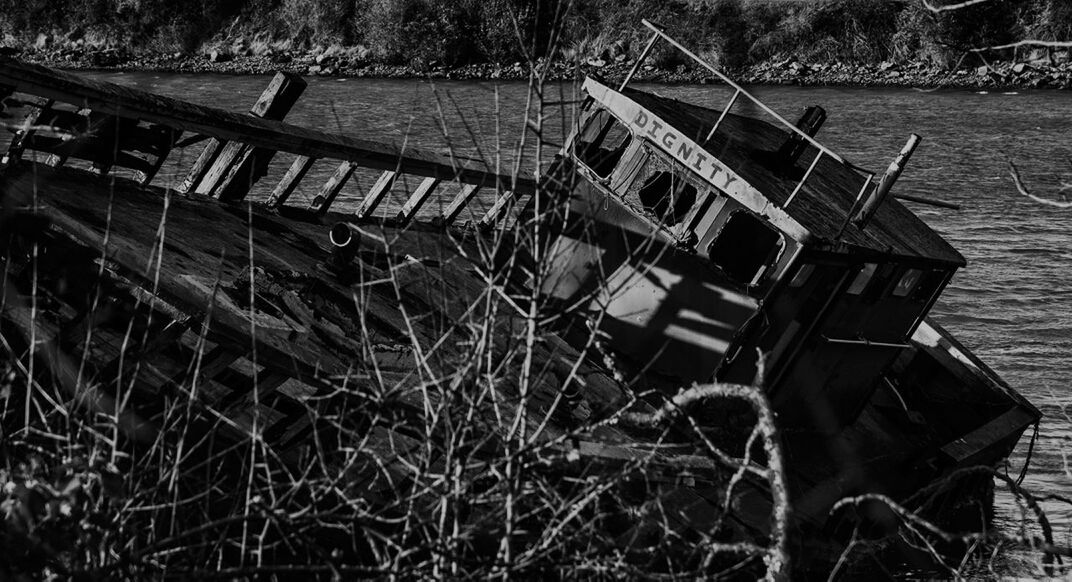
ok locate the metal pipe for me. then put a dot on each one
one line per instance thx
(888, 179)
(800, 185)
(751, 97)
(928, 201)
(636, 66)
(865, 342)
(729, 105)
(346, 240)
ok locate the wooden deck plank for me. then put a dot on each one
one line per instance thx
(417, 200)
(330, 190)
(376, 194)
(464, 197)
(286, 186)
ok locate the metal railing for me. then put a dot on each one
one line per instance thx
(738, 92)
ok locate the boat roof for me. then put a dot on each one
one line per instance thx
(740, 160)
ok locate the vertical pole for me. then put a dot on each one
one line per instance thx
(886, 183)
(636, 66)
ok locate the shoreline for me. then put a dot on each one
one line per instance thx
(995, 76)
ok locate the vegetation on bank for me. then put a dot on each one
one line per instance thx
(429, 33)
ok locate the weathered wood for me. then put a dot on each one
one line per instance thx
(464, 197)
(23, 136)
(229, 154)
(276, 101)
(1012, 422)
(497, 209)
(376, 194)
(238, 166)
(298, 168)
(420, 195)
(330, 190)
(162, 147)
(201, 166)
(254, 131)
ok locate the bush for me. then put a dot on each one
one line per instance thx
(419, 32)
(842, 30)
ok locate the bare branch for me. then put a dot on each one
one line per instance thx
(1020, 187)
(950, 7)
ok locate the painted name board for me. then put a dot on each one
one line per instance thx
(683, 149)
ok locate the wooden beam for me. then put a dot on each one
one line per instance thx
(298, 168)
(465, 195)
(23, 136)
(201, 166)
(420, 195)
(229, 153)
(376, 194)
(228, 126)
(330, 190)
(496, 211)
(238, 166)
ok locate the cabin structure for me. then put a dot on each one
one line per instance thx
(734, 236)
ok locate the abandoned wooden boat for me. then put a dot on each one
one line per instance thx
(670, 244)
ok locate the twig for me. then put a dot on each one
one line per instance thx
(1022, 189)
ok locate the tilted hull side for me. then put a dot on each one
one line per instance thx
(936, 413)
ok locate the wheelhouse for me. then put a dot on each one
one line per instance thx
(698, 239)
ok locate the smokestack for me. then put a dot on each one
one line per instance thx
(892, 173)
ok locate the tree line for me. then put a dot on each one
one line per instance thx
(457, 32)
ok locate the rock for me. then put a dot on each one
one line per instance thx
(1019, 68)
(597, 62)
(42, 41)
(314, 70)
(218, 56)
(982, 71)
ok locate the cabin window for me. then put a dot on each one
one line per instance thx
(667, 196)
(803, 273)
(907, 282)
(928, 285)
(880, 283)
(862, 279)
(745, 248)
(602, 144)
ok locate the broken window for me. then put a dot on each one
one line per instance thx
(667, 196)
(907, 283)
(862, 279)
(745, 248)
(602, 143)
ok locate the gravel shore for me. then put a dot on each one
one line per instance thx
(992, 76)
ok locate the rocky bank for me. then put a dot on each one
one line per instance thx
(1041, 73)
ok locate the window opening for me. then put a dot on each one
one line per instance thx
(745, 248)
(907, 283)
(667, 196)
(803, 273)
(862, 278)
(928, 285)
(603, 143)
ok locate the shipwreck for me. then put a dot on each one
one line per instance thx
(669, 246)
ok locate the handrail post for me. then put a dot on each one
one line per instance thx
(636, 66)
(800, 184)
(729, 106)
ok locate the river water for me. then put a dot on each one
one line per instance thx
(1012, 305)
